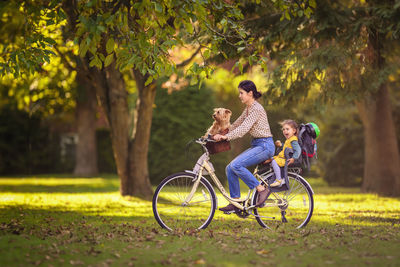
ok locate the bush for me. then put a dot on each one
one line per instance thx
(341, 148)
(26, 145)
(105, 156)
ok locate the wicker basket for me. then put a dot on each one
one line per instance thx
(217, 147)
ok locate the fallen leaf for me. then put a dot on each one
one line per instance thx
(200, 262)
(262, 252)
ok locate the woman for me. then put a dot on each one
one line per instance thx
(255, 121)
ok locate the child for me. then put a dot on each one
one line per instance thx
(290, 131)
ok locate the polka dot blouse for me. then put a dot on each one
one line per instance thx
(253, 120)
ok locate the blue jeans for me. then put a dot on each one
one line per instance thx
(261, 149)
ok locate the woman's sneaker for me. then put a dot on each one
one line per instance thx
(228, 209)
(277, 183)
(262, 197)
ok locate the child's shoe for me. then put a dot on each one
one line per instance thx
(277, 183)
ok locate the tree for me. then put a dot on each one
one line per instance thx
(36, 39)
(138, 37)
(344, 50)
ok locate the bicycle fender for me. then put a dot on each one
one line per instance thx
(194, 174)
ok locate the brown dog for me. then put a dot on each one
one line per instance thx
(222, 117)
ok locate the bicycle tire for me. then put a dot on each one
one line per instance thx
(298, 211)
(168, 199)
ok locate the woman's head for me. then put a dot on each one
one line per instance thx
(249, 86)
(289, 128)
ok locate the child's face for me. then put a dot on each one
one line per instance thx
(288, 131)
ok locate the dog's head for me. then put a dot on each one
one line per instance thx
(222, 115)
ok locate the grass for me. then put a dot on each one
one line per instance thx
(61, 221)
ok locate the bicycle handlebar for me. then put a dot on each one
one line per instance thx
(203, 141)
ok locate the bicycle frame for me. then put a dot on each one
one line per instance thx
(205, 165)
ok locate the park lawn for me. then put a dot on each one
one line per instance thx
(62, 221)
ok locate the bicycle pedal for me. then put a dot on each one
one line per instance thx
(229, 212)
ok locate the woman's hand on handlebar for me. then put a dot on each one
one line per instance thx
(219, 137)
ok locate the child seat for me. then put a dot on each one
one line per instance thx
(284, 173)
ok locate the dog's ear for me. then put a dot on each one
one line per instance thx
(227, 112)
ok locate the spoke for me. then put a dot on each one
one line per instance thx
(297, 202)
(192, 215)
(197, 202)
(295, 192)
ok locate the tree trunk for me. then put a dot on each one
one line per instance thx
(112, 95)
(86, 149)
(130, 156)
(118, 117)
(86, 103)
(382, 160)
(138, 163)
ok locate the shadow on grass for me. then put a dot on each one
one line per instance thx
(375, 219)
(106, 187)
(32, 215)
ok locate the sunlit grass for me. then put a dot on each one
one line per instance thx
(100, 196)
(85, 221)
(95, 196)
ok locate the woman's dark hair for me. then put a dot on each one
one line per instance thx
(248, 86)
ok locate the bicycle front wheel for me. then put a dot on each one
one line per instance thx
(171, 210)
(293, 207)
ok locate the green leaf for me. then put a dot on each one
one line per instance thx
(98, 63)
(206, 54)
(109, 60)
(149, 80)
(224, 54)
(92, 62)
(240, 49)
(110, 46)
(308, 12)
(264, 66)
(235, 66)
(189, 27)
(83, 48)
(287, 15)
(224, 22)
(158, 7)
(49, 40)
(240, 67)
(242, 34)
(95, 62)
(93, 49)
(194, 80)
(102, 57)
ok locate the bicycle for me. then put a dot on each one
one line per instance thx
(187, 200)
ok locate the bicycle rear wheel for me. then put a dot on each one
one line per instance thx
(294, 210)
(173, 214)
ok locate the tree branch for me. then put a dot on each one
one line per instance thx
(64, 59)
(187, 61)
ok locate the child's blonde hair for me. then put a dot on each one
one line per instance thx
(292, 124)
